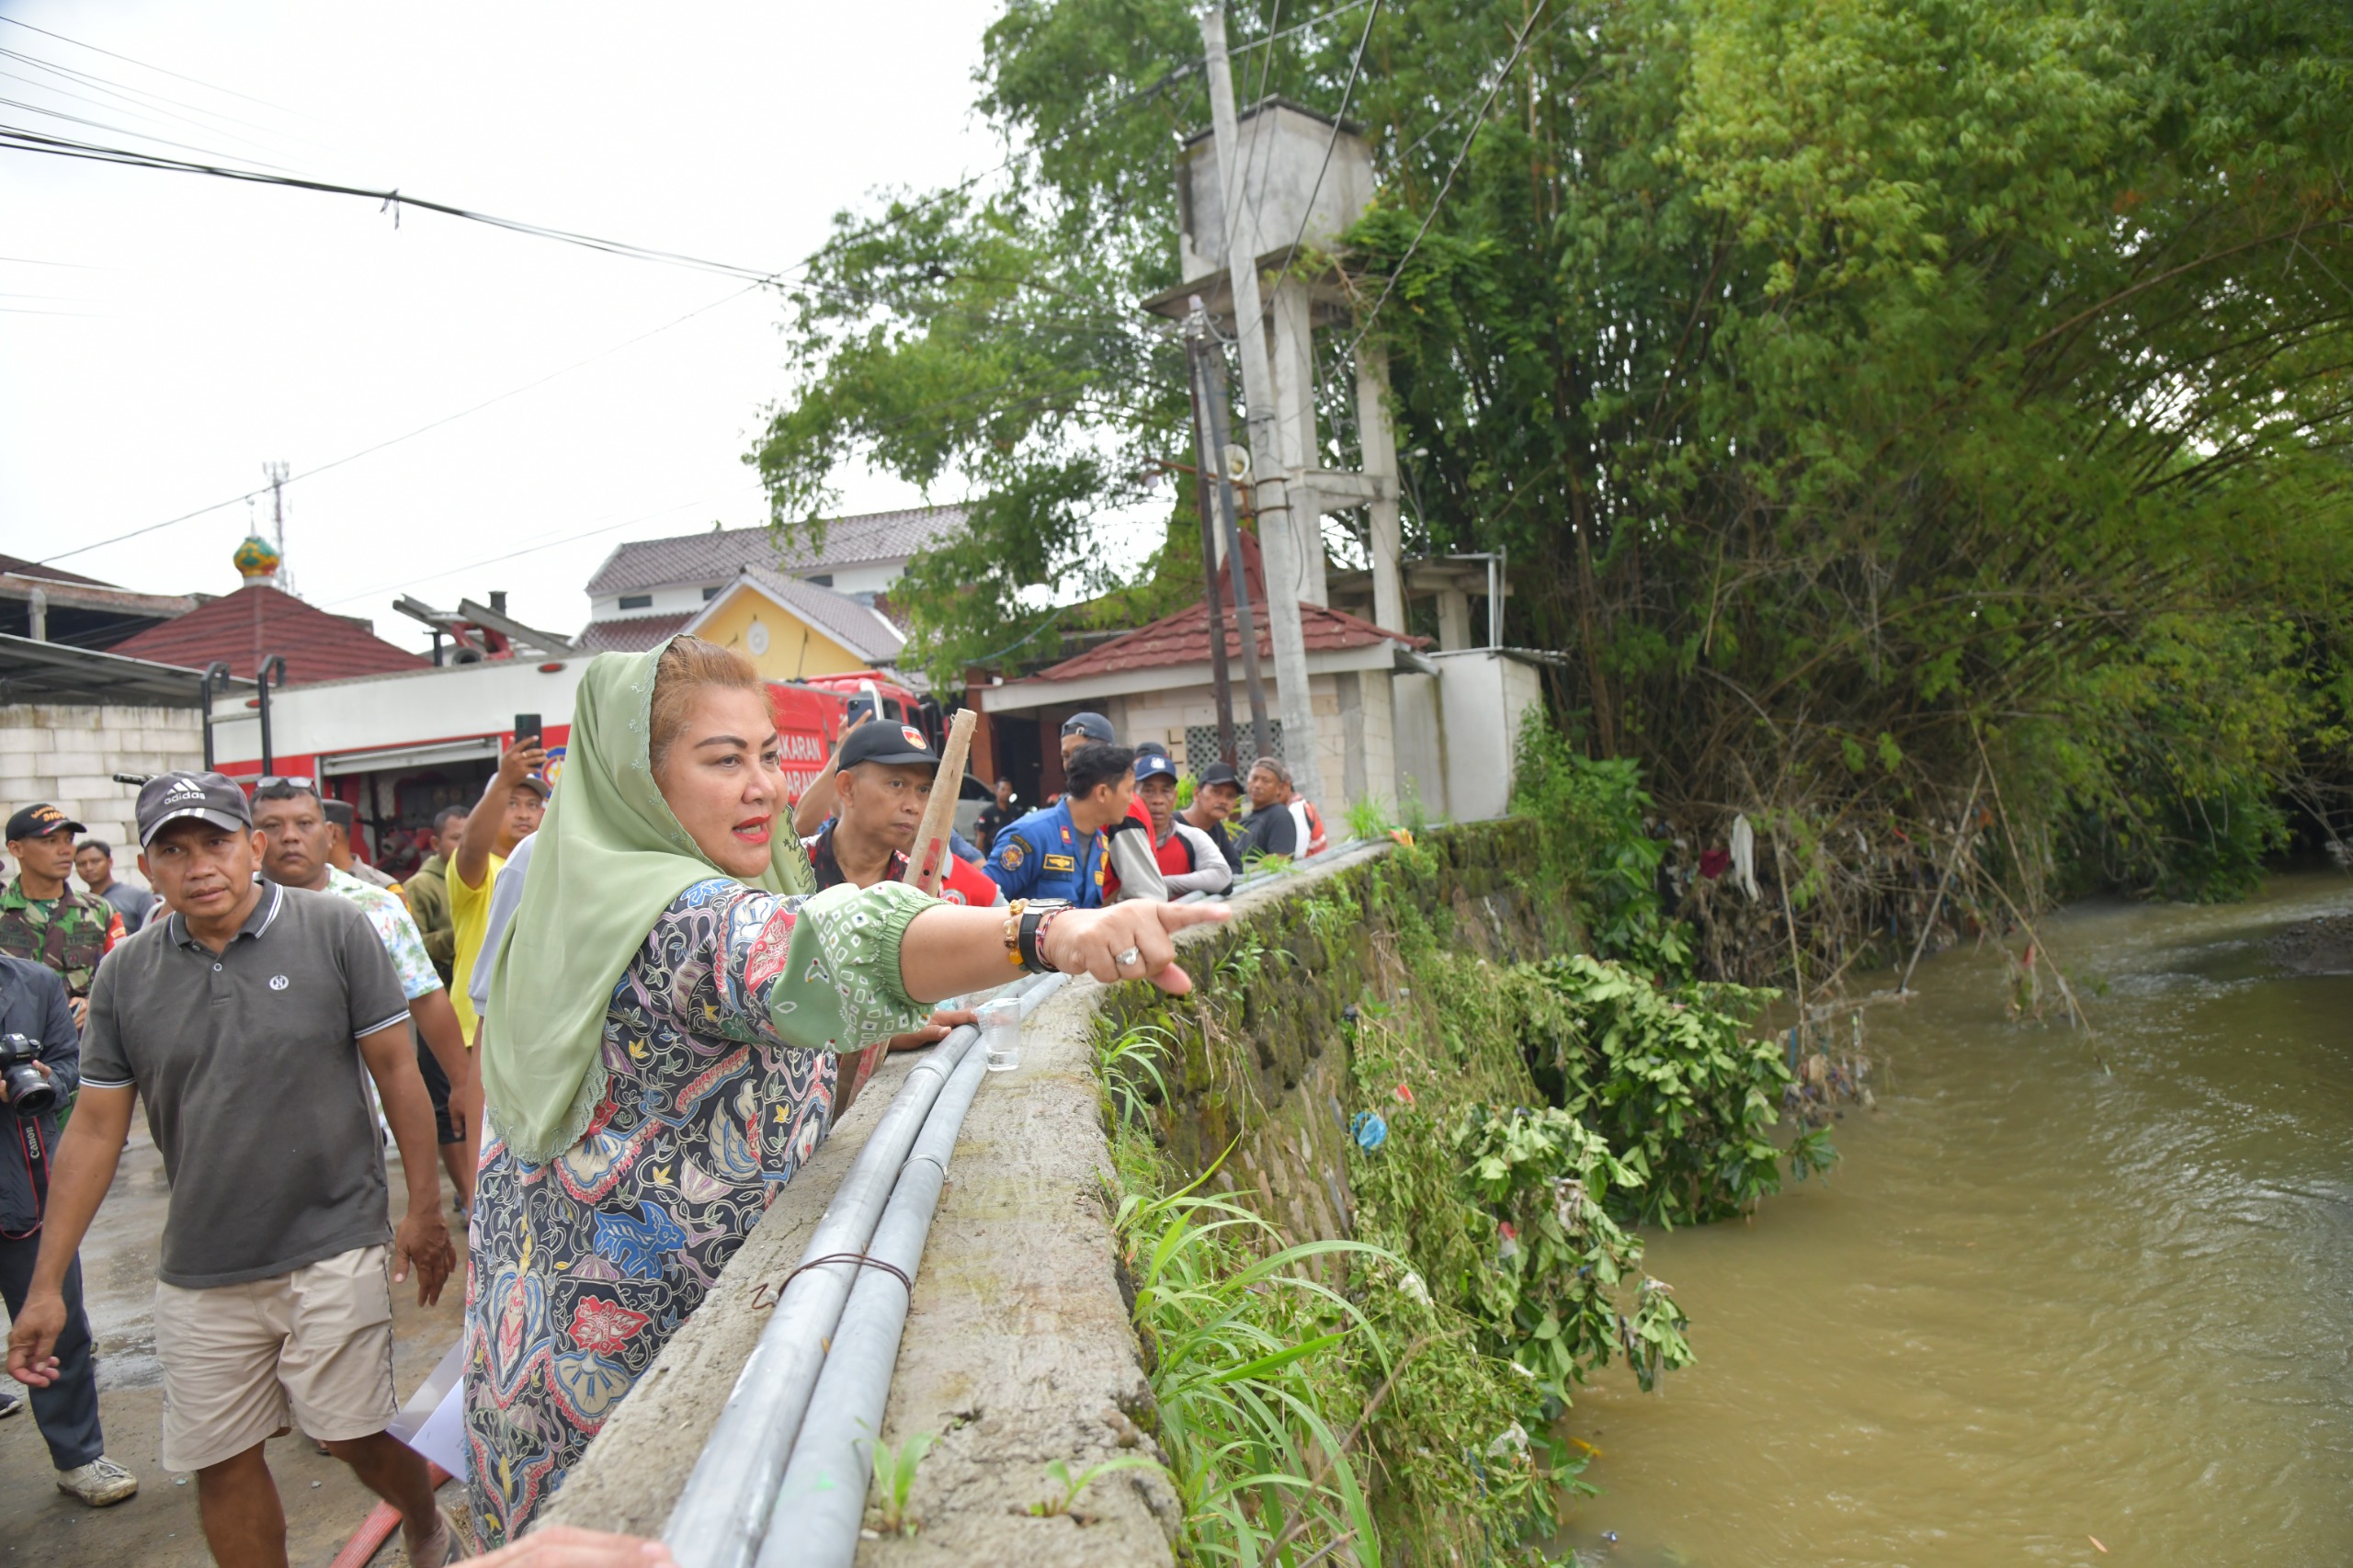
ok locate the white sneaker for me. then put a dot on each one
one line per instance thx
(101, 1482)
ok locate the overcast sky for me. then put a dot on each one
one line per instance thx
(163, 336)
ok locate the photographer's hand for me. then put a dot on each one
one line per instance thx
(39, 1067)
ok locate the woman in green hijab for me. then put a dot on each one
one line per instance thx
(661, 1051)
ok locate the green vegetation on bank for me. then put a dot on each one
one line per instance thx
(1865, 392)
(1509, 1124)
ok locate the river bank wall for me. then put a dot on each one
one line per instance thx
(1020, 1349)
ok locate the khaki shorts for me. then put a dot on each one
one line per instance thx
(315, 1345)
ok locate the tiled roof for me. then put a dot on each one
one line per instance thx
(630, 634)
(1184, 638)
(258, 619)
(716, 556)
(865, 631)
(20, 567)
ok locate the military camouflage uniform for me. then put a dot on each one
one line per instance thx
(69, 935)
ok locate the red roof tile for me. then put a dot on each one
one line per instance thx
(630, 634)
(258, 619)
(1184, 638)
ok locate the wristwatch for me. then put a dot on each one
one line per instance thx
(1029, 933)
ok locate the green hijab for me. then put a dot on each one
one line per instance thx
(609, 858)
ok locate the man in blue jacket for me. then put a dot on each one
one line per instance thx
(1061, 852)
(33, 1004)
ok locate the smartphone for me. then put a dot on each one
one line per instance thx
(868, 701)
(527, 729)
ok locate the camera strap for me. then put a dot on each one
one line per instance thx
(34, 1152)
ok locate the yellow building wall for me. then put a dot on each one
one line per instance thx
(795, 650)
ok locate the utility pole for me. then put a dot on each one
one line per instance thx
(1208, 377)
(1280, 540)
(276, 473)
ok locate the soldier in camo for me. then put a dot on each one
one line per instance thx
(42, 917)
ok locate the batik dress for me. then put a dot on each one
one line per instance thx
(719, 1084)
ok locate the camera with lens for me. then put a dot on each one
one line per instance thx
(30, 1094)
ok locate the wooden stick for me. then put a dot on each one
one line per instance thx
(1961, 841)
(940, 813)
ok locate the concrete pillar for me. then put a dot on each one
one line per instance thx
(1294, 367)
(1379, 439)
(1454, 620)
(1353, 780)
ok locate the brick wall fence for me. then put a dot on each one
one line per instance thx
(66, 754)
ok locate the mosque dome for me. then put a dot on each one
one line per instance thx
(256, 560)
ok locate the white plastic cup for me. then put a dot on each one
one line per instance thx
(1000, 1026)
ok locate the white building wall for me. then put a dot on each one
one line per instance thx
(858, 577)
(1484, 694)
(1420, 744)
(666, 601)
(407, 709)
(66, 755)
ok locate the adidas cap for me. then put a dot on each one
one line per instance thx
(168, 797)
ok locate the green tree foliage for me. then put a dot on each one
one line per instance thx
(1854, 384)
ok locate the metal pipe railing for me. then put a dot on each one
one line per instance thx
(752, 1473)
(822, 1502)
(725, 1507)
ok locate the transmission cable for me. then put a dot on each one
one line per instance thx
(159, 70)
(1478, 124)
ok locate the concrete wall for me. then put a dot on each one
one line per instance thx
(65, 754)
(1483, 693)
(1019, 1350)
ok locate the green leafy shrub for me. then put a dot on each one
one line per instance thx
(1545, 1180)
(1685, 1103)
(1597, 844)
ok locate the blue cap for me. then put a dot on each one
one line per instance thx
(1151, 765)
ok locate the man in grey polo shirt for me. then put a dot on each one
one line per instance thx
(244, 1020)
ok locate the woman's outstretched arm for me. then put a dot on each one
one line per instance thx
(950, 949)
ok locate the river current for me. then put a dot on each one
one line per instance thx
(2040, 1310)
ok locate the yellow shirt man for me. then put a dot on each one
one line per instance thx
(470, 919)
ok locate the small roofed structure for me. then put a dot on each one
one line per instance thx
(51, 605)
(1155, 684)
(649, 588)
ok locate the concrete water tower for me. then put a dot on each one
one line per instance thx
(1302, 179)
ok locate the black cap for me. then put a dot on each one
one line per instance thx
(894, 745)
(208, 797)
(1094, 726)
(538, 781)
(1217, 773)
(39, 821)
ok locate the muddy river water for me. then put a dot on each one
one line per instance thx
(2038, 1306)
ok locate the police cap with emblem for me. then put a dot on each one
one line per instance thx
(893, 745)
(208, 797)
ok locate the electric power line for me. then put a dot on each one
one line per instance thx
(142, 64)
(25, 139)
(1478, 123)
(422, 429)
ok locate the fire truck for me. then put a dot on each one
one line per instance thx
(401, 747)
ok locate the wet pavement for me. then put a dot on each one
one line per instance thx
(158, 1528)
